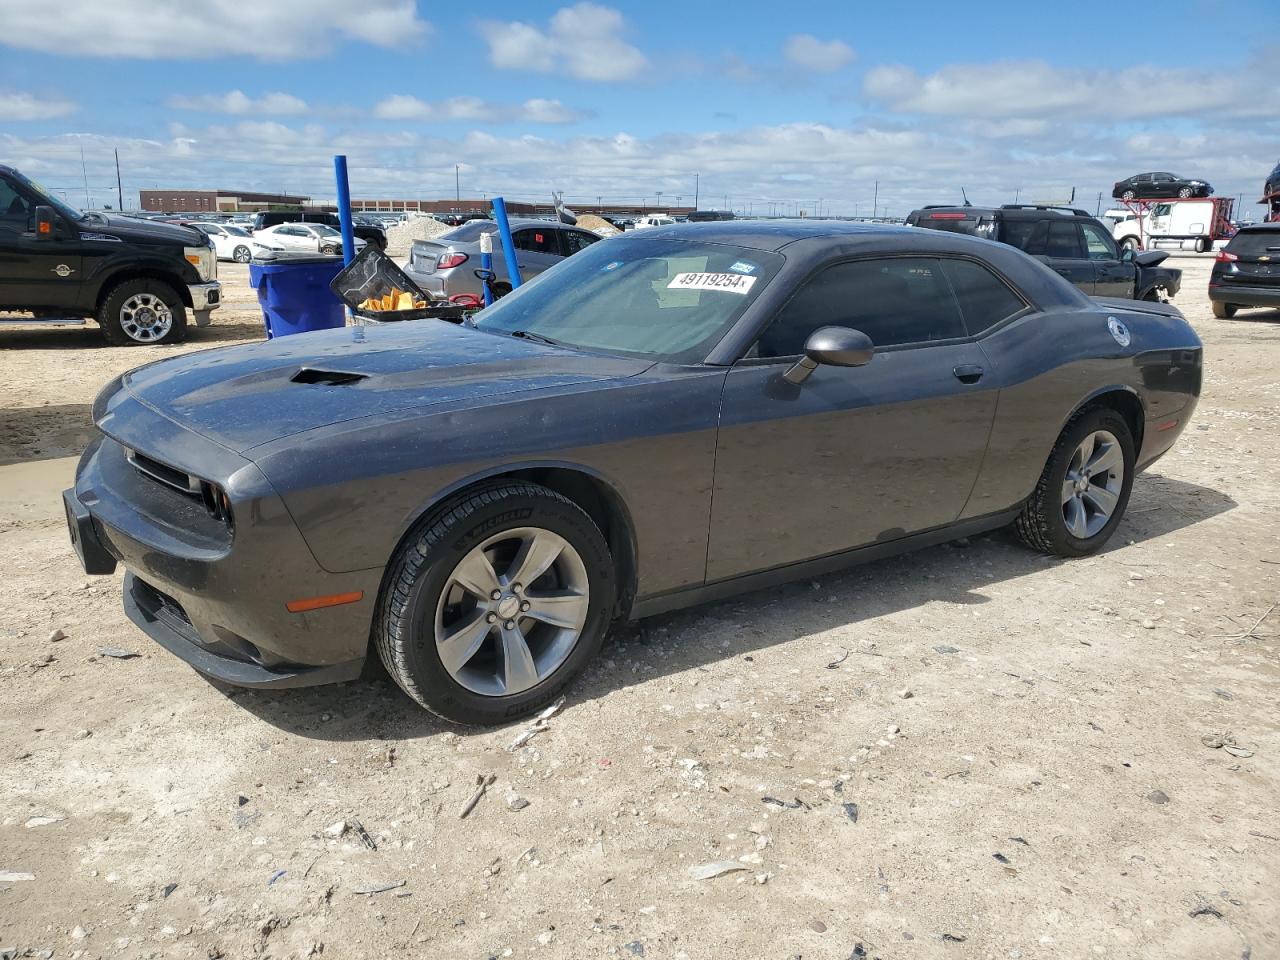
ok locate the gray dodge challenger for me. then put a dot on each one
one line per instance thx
(663, 419)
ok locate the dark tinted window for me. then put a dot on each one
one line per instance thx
(1029, 236)
(1255, 243)
(984, 298)
(14, 209)
(536, 239)
(575, 240)
(1064, 242)
(893, 301)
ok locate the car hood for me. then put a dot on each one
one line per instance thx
(244, 396)
(139, 230)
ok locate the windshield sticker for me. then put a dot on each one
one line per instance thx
(727, 282)
(742, 267)
(611, 265)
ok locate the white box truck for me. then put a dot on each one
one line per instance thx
(1194, 223)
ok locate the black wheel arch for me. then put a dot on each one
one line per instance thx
(110, 281)
(587, 488)
(1121, 398)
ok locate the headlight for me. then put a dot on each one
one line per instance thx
(203, 259)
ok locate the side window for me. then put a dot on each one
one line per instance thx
(15, 212)
(897, 300)
(1064, 242)
(1098, 245)
(576, 240)
(537, 240)
(1029, 236)
(984, 298)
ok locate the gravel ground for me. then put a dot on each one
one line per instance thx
(971, 752)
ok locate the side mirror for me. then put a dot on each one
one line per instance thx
(1126, 254)
(833, 346)
(45, 220)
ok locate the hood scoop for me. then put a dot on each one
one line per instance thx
(329, 378)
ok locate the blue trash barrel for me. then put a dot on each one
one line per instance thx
(293, 289)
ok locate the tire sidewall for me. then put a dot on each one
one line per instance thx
(235, 254)
(1111, 421)
(109, 312)
(417, 646)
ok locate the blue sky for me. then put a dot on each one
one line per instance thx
(774, 105)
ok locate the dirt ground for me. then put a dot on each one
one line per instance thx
(975, 751)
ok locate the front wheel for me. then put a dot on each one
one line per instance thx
(1131, 243)
(1224, 311)
(242, 254)
(1185, 192)
(494, 606)
(1084, 489)
(1128, 195)
(142, 312)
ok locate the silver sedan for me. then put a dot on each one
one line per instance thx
(445, 267)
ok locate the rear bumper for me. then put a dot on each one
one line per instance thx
(434, 284)
(1245, 296)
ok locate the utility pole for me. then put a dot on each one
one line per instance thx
(457, 183)
(875, 201)
(1097, 211)
(696, 178)
(85, 171)
(119, 189)
(1017, 193)
(659, 198)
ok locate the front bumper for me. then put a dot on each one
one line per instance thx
(1245, 296)
(217, 603)
(205, 296)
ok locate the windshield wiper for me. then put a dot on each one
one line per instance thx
(537, 338)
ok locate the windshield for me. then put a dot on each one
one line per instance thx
(1255, 243)
(63, 207)
(236, 231)
(655, 299)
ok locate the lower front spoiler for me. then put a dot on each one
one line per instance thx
(170, 629)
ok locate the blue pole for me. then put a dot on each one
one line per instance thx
(508, 247)
(486, 265)
(344, 209)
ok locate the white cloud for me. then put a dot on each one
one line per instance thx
(584, 41)
(810, 53)
(146, 29)
(25, 106)
(237, 103)
(405, 107)
(1035, 89)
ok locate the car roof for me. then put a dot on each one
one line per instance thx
(1260, 228)
(770, 234)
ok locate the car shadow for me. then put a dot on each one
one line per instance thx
(374, 708)
(89, 337)
(30, 434)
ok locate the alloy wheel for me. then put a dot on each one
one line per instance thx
(512, 611)
(146, 318)
(1091, 489)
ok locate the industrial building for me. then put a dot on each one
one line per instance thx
(182, 200)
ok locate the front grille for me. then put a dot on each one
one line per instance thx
(163, 473)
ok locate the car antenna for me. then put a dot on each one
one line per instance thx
(966, 197)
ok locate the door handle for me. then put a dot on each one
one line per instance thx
(968, 373)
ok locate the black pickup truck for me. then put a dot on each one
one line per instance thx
(137, 279)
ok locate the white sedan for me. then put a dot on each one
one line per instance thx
(305, 236)
(235, 243)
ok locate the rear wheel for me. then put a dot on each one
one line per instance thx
(496, 604)
(241, 254)
(1224, 311)
(1084, 489)
(1128, 195)
(142, 312)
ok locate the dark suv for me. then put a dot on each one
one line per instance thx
(365, 231)
(1246, 272)
(1067, 239)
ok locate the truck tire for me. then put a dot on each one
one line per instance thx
(1203, 245)
(1224, 311)
(142, 312)
(1131, 243)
